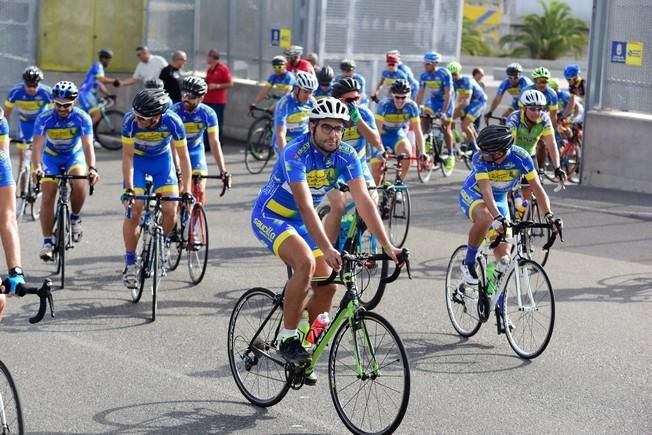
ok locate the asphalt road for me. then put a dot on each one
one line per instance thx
(102, 367)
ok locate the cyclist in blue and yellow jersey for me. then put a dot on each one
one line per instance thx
(540, 76)
(291, 112)
(438, 83)
(284, 218)
(281, 80)
(470, 101)
(63, 139)
(576, 113)
(389, 75)
(32, 98)
(325, 78)
(198, 118)
(414, 83)
(576, 85)
(347, 69)
(94, 81)
(513, 85)
(497, 168)
(8, 225)
(151, 134)
(394, 115)
(359, 131)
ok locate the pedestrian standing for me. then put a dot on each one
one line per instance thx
(172, 75)
(219, 79)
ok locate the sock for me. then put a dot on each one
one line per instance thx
(47, 240)
(471, 253)
(130, 258)
(288, 333)
(74, 217)
(450, 151)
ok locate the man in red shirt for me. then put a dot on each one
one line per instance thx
(295, 62)
(218, 78)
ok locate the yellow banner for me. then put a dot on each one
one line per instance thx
(286, 38)
(634, 53)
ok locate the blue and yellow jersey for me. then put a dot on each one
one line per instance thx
(29, 106)
(514, 91)
(283, 82)
(466, 85)
(563, 97)
(4, 129)
(352, 135)
(63, 135)
(503, 176)
(203, 118)
(300, 161)
(577, 88)
(410, 76)
(527, 137)
(394, 120)
(389, 77)
(551, 96)
(293, 114)
(155, 141)
(321, 93)
(436, 82)
(90, 81)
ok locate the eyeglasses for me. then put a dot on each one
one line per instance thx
(430, 63)
(328, 129)
(351, 99)
(64, 105)
(400, 97)
(534, 108)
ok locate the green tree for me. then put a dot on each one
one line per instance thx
(472, 41)
(549, 36)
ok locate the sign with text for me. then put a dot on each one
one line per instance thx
(634, 53)
(281, 38)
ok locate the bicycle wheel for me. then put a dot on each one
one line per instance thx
(369, 275)
(22, 188)
(11, 414)
(197, 244)
(446, 171)
(529, 309)
(399, 217)
(177, 251)
(144, 267)
(108, 130)
(461, 299)
(424, 169)
(573, 160)
(259, 378)
(34, 200)
(63, 234)
(465, 153)
(374, 401)
(259, 146)
(156, 253)
(536, 238)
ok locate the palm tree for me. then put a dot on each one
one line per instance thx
(472, 41)
(551, 35)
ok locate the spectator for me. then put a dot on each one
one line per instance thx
(314, 61)
(148, 68)
(218, 78)
(295, 62)
(172, 75)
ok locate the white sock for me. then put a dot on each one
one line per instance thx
(288, 333)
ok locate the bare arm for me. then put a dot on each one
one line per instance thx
(447, 98)
(89, 153)
(128, 82)
(8, 112)
(262, 94)
(418, 136)
(37, 151)
(216, 150)
(184, 165)
(128, 165)
(553, 151)
(542, 197)
(495, 102)
(570, 106)
(488, 196)
(422, 91)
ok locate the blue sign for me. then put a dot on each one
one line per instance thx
(276, 37)
(618, 51)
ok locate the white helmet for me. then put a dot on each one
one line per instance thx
(532, 97)
(306, 81)
(331, 108)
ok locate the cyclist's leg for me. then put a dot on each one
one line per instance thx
(337, 201)
(375, 163)
(164, 181)
(130, 226)
(26, 134)
(51, 164)
(403, 145)
(8, 224)
(76, 165)
(199, 167)
(88, 102)
(474, 208)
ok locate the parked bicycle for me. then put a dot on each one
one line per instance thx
(108, 130)
(368, 371)
(259, 149)
(29, 196)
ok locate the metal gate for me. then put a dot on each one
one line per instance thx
(18, 41)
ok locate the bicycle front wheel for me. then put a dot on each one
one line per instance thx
(461, 298)
(197, 244)
(399, 217)
(573, 161)
(143, 267)
(11, 414)
(62, 236)
(369, 376)
(108, 130)
(156, 253)
(529, 309)
(259, 146)
(34, 200)
(260, 378)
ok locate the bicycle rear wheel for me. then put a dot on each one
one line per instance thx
(259, 146)
(461, 298)
(177, 251)
(197, 244)
(11, 414)
(399, 217)
(529, 309)
(34, 200)
(108, 130)
(259, 378)
(536, 238)
(143, 269)
(374, 401)
(573, 161)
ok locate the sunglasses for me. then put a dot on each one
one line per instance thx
(189, 96)
(542, 82)
(400, 97)
(31, 85)
(64, 105)
(328, 129)
(143, 118)
(279, 67)
(391, 64)
(430, 63)
(512, 77)
(351, 99)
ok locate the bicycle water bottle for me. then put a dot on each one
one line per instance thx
(304, 328)
(491, 278)
(520, 205)
(429, 144)
(347, 220)
(501, 267)
(318, 327)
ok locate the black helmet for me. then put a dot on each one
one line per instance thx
(151, 102)
(401, 86)
(495, 138)
(514, 69)
(32, 74)
(279, 60)
(195, 85)
(154, 84)
(347, 65)
(105, 54)
(344, 86)
(325, 76)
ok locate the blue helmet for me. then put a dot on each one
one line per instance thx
(432, 56)
(572, 70)
(64, 89)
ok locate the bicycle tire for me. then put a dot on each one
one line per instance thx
(541, 303)
(247, 316)
(63, 221)
(10, 400)
(22, 207)
(369, 276)
(399, 217)
(34, 200)
(461, 299)
(143, 269)
(424, 170)
(259, 146)
(374, 347)
(535, 238)
(446, 172)
(108, 130)
(198, 232)
(573, 162)
(156, 272)
(173, 262)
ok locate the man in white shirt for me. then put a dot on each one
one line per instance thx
(149, 67)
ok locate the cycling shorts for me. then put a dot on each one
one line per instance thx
(26, 134)
(88, 102)
(469, 198)
(474, 110)
(272, 230)
(160, 168)
(53, 162)
(198, 160)
(435, 106)
(392, 140)
(6, 176)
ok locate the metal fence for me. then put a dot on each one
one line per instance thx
(18, 41)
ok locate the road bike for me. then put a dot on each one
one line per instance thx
(259, 150)
(435, 147)
(108, 130)
(368, 371)
(569, 141)
(29, 196)
(394, 203)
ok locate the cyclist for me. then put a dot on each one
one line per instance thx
(347, 69)
(32, 98)
(325, 79)
(470, 101)
(151, 134)
(576, 114)
(198, 118)
(63, 139)
(295, 62)
(389, 75)
(513, 85)
(576, 87)
(281, 79)
(439, 83)
(94, 81)
(291, 112)
(8, 224)
(407, 71)
(496, 169)
(359, 130)
(540, 76)
(285, 221)
(394, 115)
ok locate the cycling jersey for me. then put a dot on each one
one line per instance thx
(563, 97)
(466, 85)
(6, 176)
(436, 82)
(156, 141)
(389, 77)
(88, 101)
(63, 135)
(321, 93)
(514, 91)
(353, 137)
(414, 83)
(89, 84)
(527, 137)
(551, 96)
(396, 120)
(577, 88)
(284, 82)
(202, 119)
(29, 106)
(293, 114)
(578, 108)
